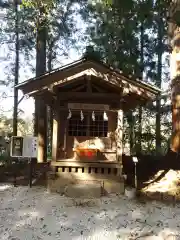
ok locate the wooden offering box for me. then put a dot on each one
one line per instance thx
(86, 153)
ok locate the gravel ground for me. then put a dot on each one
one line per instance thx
(27, 214)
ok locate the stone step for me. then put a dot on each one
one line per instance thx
(83, 190)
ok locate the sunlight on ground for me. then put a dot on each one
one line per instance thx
(38, 215)
(169, 183)
(4, 187)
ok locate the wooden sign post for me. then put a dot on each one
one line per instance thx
(24, 147)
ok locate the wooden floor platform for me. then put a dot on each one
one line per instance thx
(78, 163)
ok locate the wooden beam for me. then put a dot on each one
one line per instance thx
(78, 88)
(99, 89)
(51, 89)
(76, 163)
(46, 97)
(85, 95)
(88, 84)
(97, 80)
(71, 84)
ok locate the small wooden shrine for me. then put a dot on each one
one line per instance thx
(88, 99)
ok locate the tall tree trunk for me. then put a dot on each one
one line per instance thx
(142, 69)
(175, 78)
(158, 83)
(174, 33)
(40, 128)
(16, 79)
(50, 112)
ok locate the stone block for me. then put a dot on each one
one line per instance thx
(113, 187)
(83, 191)
(96, 182)
(57, 185)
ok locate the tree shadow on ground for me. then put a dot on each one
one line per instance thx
(18, 174)
(38, 215)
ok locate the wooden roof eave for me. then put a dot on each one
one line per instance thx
(81, 68)
(46, 79)
(114, 82)
(65, 67)
(130, 79)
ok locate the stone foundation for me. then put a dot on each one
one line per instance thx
(84, 185)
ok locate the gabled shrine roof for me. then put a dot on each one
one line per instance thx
(87, 67)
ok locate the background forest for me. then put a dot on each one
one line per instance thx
(130, 35)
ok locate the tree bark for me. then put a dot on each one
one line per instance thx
(16, 80)
(142, 70)
(50, 112)
(40, 127)
(175, 76)
(158, 83)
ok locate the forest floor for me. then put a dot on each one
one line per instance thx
(34, 214)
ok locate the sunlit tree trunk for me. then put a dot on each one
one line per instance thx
(158, 83)
(174, 32)
(175, 76)
(40, 128)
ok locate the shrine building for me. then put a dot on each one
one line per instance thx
(87, 99)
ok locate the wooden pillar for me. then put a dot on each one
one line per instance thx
(65, 133)
(35, 116)
(51, 127)
(119, 137)
(55, 135)
(112, 125)
(42, 130)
